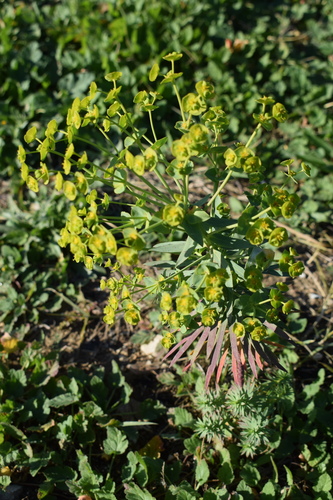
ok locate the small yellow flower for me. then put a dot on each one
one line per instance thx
(127, 256)
(132, 317)
(238, 329)
(173, 215)
(185, 304)
(166, 301)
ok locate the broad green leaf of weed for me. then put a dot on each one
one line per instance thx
(226, 473)
(59, 474)
(102, 495)
(115, 443)
(117, 380)
(151, 409)
(134, 492)
(250, 474)
(63, 400)
(201, 472)
(183, 418)
(191, 444)
(142, 337)
(324, 483)
(92, 410)
(99, 390)
(269, 491)
(152, 471)
(65, 430)
(245, 490)
(37, 462)
(106, 492)
(311, 390)
(88, 477)
(129, 469)
(16, 383)
(44, 490)
(221, 494)
(12, 431)
(5, 481)
(182, 492)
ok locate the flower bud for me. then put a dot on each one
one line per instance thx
(251, 323)
(288, 306)
(296, 269)
(254, 236)
(205, 89)
(278, 237)
(279, 112)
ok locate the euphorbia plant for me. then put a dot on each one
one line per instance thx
(209, 267)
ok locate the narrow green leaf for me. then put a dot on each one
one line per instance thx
(228, 243)
(290, 479)
(169, 247)
(189, 247)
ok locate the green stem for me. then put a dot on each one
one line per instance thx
(261, 213)
(176, 181)
(185, 184)
(186, 267)
(156, 224)
(256, 129)
(264, 302)
(253, 135)
(217, 192)
(163, 181)
(152, 125)
(179, 101)
(93, 144)
(107, 138)
(69, 301)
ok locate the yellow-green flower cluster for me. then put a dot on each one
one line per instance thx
(260, 230)
(288, 264)
(282, 202)
(253, 278)
(214, 285)
(185, 303)
(121, 299)
(255, 328)
(216, 119)
(173, 215)
(143, 162)
(192, 143)
(244, 158)
(209, 316)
